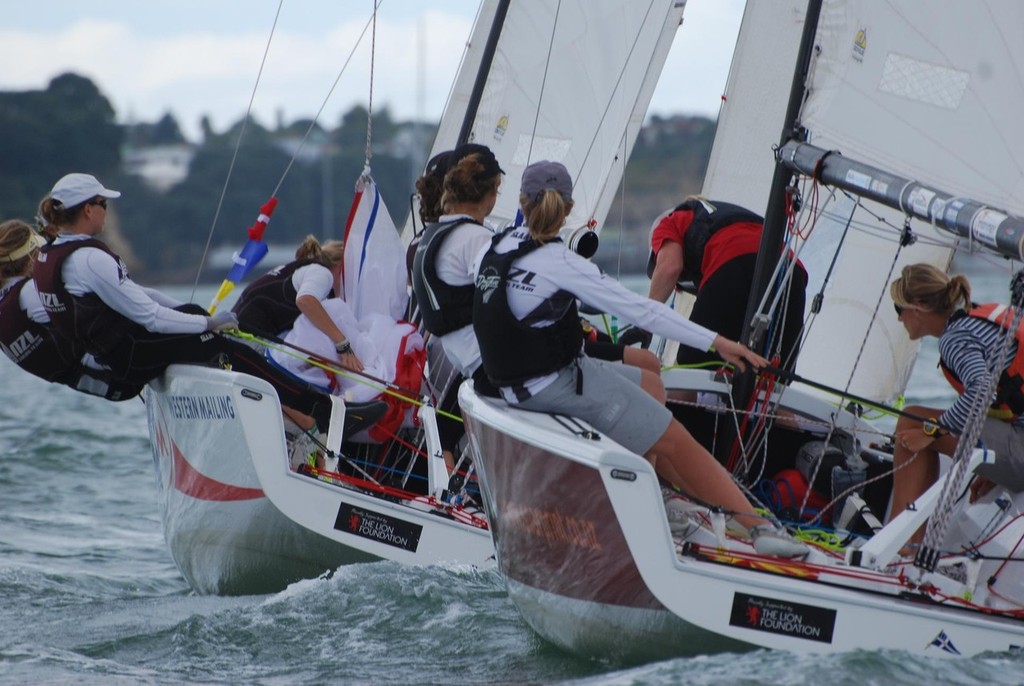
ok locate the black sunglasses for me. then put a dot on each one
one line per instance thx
(898, 308)
(102, 202)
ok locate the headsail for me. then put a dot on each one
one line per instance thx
(585, 113)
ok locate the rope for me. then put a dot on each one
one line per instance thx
(938, 524)
(312, 359)
(369, 104)
(234, 154)
(299, 147)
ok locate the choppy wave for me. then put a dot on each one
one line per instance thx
(90, 594)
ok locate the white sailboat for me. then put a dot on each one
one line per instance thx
(237, 518)
(581, 533)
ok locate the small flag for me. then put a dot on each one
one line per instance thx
(248, 257)
(943, 642)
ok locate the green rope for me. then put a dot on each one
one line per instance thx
(326, 366)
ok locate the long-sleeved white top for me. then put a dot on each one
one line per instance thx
(90, 270)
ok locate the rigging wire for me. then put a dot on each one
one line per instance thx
(369, 103)
(234, 154)
(302, 141)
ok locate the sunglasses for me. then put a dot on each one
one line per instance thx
(898, 308)
(102, 202)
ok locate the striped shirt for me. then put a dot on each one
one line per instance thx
(965, 347)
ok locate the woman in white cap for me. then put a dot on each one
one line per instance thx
(26, 336)
(526, 321)
(136, 331)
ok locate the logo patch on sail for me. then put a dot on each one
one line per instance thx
(501, 127)
(378, 527)
(860, 45)
(783, 617)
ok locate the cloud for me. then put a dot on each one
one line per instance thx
(148, 61)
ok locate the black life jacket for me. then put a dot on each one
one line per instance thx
(87, 320)
(443, 307)
(267, 305)
(705, 224)
(35, 347)
(512, 351)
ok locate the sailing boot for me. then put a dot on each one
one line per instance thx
(773, 541)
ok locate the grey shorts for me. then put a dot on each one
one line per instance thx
(1007, 441)
(612, 402)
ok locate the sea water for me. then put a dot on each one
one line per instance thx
(89, 594)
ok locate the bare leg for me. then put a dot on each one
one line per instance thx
(914, 475)
(303, 421)
(684, 462)
(652, 383)
(645, 359)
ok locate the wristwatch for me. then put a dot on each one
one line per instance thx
(931, 428)
(343, 347)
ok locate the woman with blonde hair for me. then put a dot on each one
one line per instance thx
(26, 336)
(930, 303)
(526, 321)
(272, 303)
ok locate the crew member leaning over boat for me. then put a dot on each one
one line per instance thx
(930, 303)
(134, 330)
(26, 336)
(526, 321)
(714, 245)
(272, 303)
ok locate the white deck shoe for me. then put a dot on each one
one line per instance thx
(774, 541)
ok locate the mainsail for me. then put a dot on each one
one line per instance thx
(932, 96)
(567, 81)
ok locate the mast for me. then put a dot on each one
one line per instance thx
(485, 68)
(774, 234)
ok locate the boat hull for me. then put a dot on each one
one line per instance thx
(224, 534)
(238, 520)
(583, 541)
(561, 548)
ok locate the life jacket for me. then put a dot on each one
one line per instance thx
(511, 350)
(87, 320)
(267, 305)
(705, 224)
(443, 307)
(35, 347)
(1009, 400)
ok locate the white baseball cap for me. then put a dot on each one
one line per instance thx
(74, 189)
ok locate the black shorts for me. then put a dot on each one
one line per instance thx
(721, 306)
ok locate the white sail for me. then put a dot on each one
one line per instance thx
(569, 81)
(934, 96)
(750, 121)
(931, 95)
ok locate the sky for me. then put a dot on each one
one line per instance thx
(196, 57)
